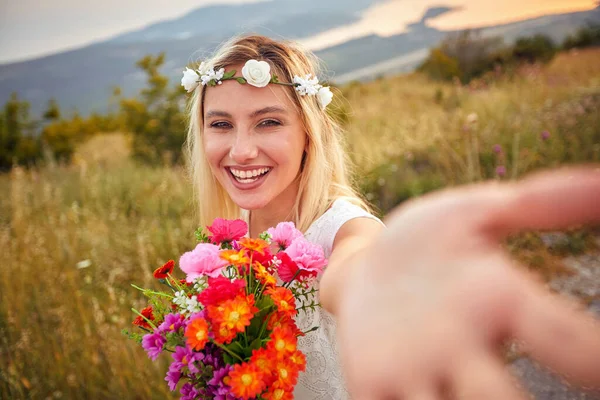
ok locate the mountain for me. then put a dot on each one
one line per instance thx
(83, 78)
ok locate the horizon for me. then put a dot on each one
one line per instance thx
(47, 35)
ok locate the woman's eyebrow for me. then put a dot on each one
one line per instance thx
(268, 110)
(217, 113)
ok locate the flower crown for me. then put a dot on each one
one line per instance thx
(255, 73)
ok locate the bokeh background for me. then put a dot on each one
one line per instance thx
(93, 190)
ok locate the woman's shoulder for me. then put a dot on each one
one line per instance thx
(324, 229)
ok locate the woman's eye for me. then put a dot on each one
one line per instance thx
(270, 122)
(220, 125)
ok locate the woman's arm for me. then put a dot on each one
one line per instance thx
(423, 305)
(349, 243)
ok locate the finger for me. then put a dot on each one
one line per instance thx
(483, 377)
(550, 200)
(558, 335)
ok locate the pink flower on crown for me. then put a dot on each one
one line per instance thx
(307, 256)
(284, 234)
(203, 260)
(224, 230)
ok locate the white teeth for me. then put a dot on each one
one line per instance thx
(248, 176)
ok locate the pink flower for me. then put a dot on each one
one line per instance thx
(203, 260)
(284, 234)
(307, 256)
(225, 230)
(288, 270)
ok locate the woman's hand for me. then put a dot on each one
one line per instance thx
(424, 310)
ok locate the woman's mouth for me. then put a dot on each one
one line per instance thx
(248, 178)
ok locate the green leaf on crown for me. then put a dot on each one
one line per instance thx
(229, 75)
(241, 80)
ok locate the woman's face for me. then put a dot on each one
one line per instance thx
(254, 141)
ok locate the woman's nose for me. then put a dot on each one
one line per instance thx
(244, 148)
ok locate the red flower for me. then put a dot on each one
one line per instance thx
(141, 322)
(219, 290)
(224, 230)
(283, 321)
(162, 272)
(284, 300)
(287, 269)
(265, 259)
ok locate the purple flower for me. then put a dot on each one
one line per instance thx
(188, 392)
(184, 357)
(173, 376)
(545, 135)
(153, 344)
(501, 170)
(497, 149)
(172, 323)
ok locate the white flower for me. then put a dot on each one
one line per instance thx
(307, 85)
(324, 96)
(204, 68)
(210, 75)
(257, 73)
(189, 80)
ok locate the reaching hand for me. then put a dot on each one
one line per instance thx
(424, 311)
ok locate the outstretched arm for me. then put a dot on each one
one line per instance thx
(427, 301)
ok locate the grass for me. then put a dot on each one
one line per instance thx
(60, 320)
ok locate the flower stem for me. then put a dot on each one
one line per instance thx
(226, 350)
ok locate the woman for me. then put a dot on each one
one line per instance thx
(421, 306)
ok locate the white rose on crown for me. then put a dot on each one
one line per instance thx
(324, 96)
(257, 73)
(189, 80)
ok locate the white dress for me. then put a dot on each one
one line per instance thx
(323, 378)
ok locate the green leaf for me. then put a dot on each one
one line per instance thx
(274, 79)
(240, 80)
(229, 75)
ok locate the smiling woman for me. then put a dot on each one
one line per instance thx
(417, 310)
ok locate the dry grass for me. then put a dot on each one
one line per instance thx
(60, 324)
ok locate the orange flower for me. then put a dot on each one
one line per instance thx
(197, 333)
(263, 359)
(287, 375)
(224, 335)
(235, 257)
(165, 270)
(263, 275)
(275, 393)
(298, 359)
(257, 245)
(283, 342)
(280, 320)
(233, 315)
(246, 381)
(283, 299)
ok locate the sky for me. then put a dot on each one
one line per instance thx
(32, 28)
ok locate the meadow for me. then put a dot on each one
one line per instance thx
(74, 237)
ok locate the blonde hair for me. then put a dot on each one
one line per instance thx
(325, 173)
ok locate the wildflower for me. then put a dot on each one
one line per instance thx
(276, 393)
(224, 230)
(307, 256)
(282, 341)
(246, 381)
(501, 170)
(234, 314)
(545, 135)
(283, 299)
(234, 257)
(188, 392)
(254, 245)
(220, 289)
(284, 234)
(172, 323)
(203, 260)
(141, 322)
(286, 374)
(165, 270)
(173, 376)
(197, 334)
(263, 275)
(153, 344)
(497, 149)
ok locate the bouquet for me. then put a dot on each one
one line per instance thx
(229, 324)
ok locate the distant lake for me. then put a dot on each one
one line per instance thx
(393, 16)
